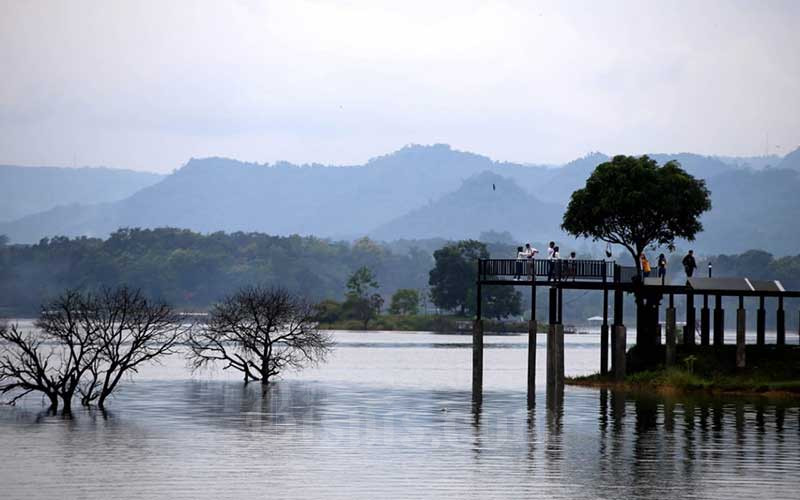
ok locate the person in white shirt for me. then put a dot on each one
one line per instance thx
(522, 258)
(551, 249)
(531, 252)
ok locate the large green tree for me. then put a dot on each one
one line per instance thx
(452, 278)
(405, 301)
(453, 282)
(634, 202)
(363, 301)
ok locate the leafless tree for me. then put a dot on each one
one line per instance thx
(259, 332)
(130, 330)
(27, 365)
(84, 344)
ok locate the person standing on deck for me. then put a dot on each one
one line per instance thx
(662, 267)
(556, 261)
(550, 252)
(689, 264)
(645, 265)
(522, 258)
(531, 252)
(572, 266)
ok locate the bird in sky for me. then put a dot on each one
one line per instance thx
(493, 187)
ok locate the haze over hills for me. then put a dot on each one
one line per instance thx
(29, 190)
(418, 192)
(484, 202)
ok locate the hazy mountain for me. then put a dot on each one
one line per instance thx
(28, 190)
(418, 191)
(485, 202)
(753, 209)
(792, 160)
(222, 194)
(753, 162)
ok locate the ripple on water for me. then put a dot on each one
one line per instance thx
(395, 421)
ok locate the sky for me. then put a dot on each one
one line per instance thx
(149, 84)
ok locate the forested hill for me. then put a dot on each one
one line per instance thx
(29, 190)
(192, 270)
(418, 192)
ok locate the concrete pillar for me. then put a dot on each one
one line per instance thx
(477, 360)
(604, 334)
(620, 334)
(741, 316)
(780, 317)
(719, 322)
(604, 350)
(705, 323)
(532, 327)
(688, 332)
(555, 356)
(761, 321)
(618, 313)
(671, 331)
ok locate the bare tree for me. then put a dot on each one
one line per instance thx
(131, 330)
(85, 344)
(259, 332)
(26, 365)
(69, 321)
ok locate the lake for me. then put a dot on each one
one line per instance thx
(390, 416)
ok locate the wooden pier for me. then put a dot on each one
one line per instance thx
(612, 279)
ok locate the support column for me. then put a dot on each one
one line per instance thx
(477, 352)
(618, 310)
(532, 330)
(620, 334)
(740, 334)
(780, 316)
(604, 336)
(555, 345)
(688, 331)
(705, 322)
(670, 341)
(719, 322)
(761, 321)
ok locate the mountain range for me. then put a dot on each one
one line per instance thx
(416, 192)
(29, 190)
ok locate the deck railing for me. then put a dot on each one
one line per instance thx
(560, 269)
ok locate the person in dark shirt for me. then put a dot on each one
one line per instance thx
(662, 266)
(689, 264)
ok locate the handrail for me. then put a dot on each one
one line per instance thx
(557, 269)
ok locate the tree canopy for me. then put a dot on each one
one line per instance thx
(634, 202)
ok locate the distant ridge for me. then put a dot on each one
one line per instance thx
(28, 190)
(417, 191)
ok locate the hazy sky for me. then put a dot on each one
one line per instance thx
(148, 85)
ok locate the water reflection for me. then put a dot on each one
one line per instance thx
(359, 429)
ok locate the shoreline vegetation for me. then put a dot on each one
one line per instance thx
(772, 372)
(428, 323)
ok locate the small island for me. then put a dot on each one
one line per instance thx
(771, 372)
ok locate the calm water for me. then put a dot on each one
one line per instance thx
(390, 416)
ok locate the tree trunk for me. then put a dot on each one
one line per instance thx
(53, 402)
(66, 409)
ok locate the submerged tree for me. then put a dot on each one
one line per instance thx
(84, 344)
(259, 332)
(131, 330)
(27, 365)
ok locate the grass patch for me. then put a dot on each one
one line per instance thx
(771, 370)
